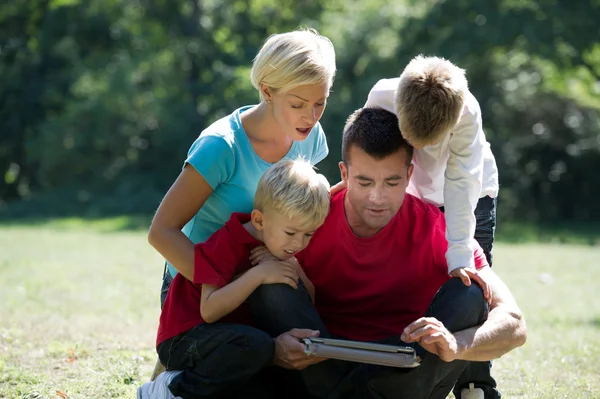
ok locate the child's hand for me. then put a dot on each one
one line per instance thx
(261, 254)
(277, 272)
(466, 274)
(337, 188)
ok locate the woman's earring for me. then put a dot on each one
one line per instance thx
(268, 101)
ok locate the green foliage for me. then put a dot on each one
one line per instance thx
(102, 99)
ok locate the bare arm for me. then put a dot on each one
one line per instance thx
(218, 302)
(181, 203)
(503, 331)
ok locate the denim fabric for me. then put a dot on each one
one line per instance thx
(457, 306)
(219, 360)
(485, 229)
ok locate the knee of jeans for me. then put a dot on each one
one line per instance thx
(275, 297)
(469, 299)
(260, 348)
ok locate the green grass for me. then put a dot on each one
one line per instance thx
(79, 307)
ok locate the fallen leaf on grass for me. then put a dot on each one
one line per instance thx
(62, 394)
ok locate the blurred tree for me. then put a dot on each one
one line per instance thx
(100, 100)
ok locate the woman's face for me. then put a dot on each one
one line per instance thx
(298, 111)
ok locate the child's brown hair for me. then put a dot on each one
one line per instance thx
(429, 99)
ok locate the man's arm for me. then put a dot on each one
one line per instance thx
(503, 331)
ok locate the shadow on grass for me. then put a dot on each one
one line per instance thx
(560, 233)
(105, 224)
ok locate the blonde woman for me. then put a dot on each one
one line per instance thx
(293, 73)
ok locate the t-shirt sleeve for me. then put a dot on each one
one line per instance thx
(215, 261)
(383, 95)
(439, 243)
(321, 149)
(212, 156)
(479, 255)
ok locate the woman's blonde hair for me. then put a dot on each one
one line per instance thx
(292, 59)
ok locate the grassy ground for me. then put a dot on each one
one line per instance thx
(79, 308)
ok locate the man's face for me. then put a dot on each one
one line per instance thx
(376, 187)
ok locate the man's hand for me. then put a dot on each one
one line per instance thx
(467, 274)
(431, 334)
(289, 350)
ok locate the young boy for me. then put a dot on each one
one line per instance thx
(205, 338)
(454, 167)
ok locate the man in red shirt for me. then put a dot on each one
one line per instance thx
(379, 271)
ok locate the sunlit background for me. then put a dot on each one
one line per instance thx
(101, 99)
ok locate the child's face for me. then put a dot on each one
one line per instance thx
(283, 237)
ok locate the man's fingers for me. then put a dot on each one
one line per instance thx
(425, 331)
(420, 323)
(303, 333)
(438, 336)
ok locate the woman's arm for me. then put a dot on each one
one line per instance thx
(181, 203)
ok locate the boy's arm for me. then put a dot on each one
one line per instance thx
(462, 188)
(383, 95)
(217, 303)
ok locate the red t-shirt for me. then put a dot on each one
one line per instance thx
(225, 254)
(372, 288)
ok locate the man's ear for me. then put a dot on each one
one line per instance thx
(258, 219)
(409, 172)
(344, 172)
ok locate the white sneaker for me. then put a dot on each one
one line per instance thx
(159, 388)
(472, 393)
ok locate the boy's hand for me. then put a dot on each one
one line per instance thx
(337, 188)
(277, 272)
(468, 274)
(261, 254)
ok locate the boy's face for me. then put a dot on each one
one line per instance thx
(283, 237)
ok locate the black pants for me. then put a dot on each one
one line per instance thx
(278, 308)
(219, 360)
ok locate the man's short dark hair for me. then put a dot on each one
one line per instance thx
(376, 132)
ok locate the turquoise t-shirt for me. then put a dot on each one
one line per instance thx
(224, 156)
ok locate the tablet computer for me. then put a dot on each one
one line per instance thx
(362, 352)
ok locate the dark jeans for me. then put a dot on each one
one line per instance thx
(218, 360)
(479, 373)
(278, 308)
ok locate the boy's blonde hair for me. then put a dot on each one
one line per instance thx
(292, 59)
(295, 190)
(429, 99)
